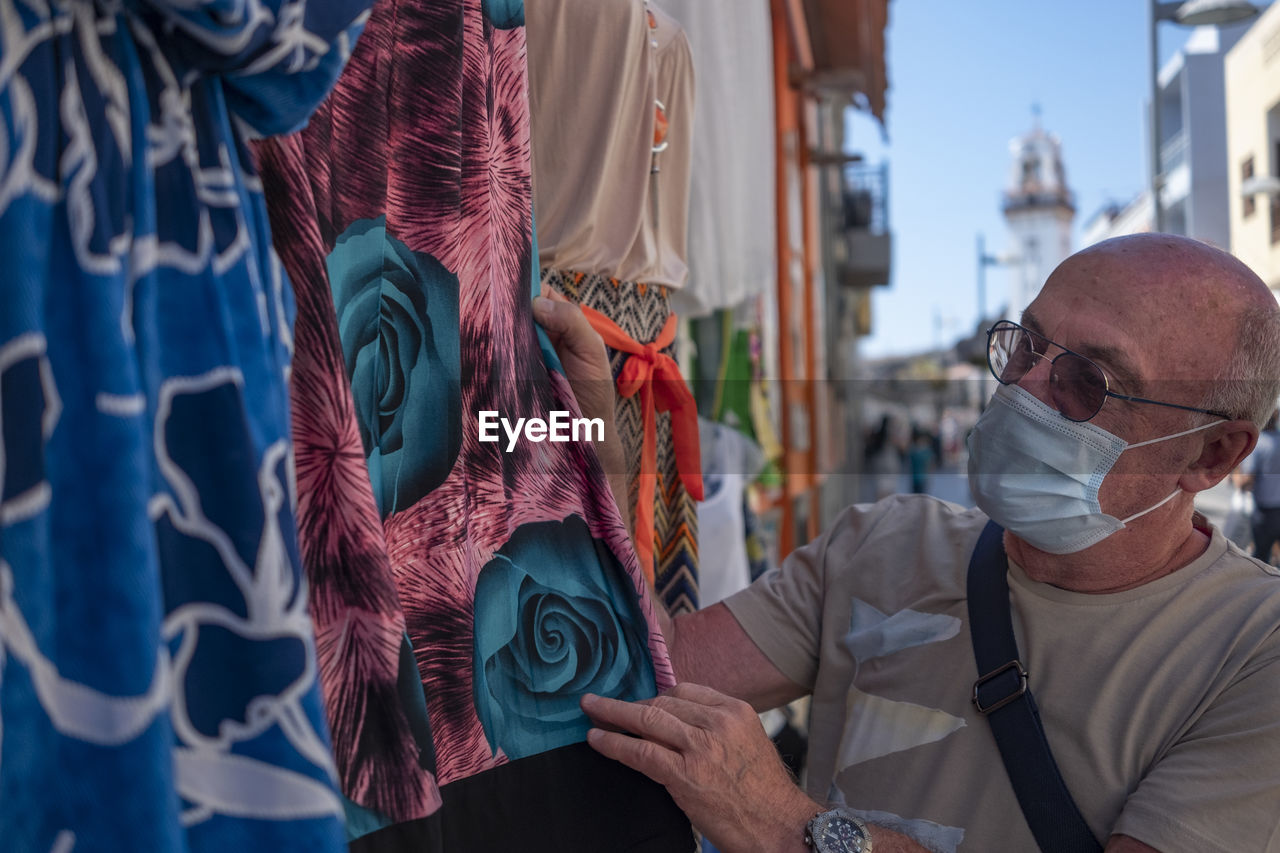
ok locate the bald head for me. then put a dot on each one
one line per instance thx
(1194, 312)
(1169, 267)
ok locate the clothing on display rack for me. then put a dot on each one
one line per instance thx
(611, 187)
(657, 423)
(158, 677)
(513, 572)
(757, 548)
(731, 220)
(730, 461)
(661, 249)
(592, 87)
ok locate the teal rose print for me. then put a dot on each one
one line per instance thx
(398, 323)
(504, 14)
(555, 617)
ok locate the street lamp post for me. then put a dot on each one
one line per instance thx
(1157, 215)
(984, 261)
(982, 281)
(1192, 13)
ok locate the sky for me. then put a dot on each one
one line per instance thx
(963, 80)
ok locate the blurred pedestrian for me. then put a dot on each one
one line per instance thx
(1238, 525)
(883, 457)
(1261, 476)
(920, 458)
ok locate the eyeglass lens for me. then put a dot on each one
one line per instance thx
(1077, 385)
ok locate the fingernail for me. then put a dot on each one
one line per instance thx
(594, 735)
(541, 305)
(588, 699)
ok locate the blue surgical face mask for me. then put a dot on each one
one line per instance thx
(1037, 474)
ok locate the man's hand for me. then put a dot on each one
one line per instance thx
(586, 366)
(581, 351)
(711, 753)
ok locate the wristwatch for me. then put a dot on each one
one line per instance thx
(838, 831)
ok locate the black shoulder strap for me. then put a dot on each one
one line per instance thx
(1001, 695)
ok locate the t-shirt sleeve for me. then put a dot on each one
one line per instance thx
(1216, 787)
(782, 611)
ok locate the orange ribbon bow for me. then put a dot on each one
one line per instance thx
(656, 377)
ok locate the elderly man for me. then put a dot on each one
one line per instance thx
(1137, 378)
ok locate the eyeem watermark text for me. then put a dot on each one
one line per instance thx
(560, 426)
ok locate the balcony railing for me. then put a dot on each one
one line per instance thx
(866, 198)
(863, 257)
(1173, 152)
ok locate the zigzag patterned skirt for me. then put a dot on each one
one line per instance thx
(640, 310)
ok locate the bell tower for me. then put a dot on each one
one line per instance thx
(1039, 208)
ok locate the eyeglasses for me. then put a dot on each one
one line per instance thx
(1077, 386)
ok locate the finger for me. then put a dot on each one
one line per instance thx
(702, 694)
(689, 711)
(657, 762)
(555, 295)
(607, 726)
(565, 323)
(558, 316)
(544, 311)
(545, 315)
(640, 718)
(715, 708)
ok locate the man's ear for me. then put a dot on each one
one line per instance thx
(1227, 447)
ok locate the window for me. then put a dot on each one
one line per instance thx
(1246, 172)
(1030, 171)
(1275, 199)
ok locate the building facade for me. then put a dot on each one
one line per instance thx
(1252, 73)
(1192, 145)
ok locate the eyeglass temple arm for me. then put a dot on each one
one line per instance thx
(1132, 399)
(1108, 392)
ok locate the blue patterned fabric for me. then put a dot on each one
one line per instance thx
(158, 686)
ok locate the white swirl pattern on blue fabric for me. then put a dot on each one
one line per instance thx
(158, 683)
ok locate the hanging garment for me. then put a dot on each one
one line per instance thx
(757, 552)
(732, 237)
(404, 210)
(657, 426)
(611, 182)
(157, 669)
(730, 461)
(661, 249)
(611, 91)
(592, 86)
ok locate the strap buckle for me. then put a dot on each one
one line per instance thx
(1013, 665)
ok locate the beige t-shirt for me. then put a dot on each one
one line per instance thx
(596, 69)
(659, 255)
(1161, 703)
(592, 82)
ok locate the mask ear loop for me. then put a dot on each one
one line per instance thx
(1175, 435)
(1176, 492)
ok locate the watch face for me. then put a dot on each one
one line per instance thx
(839, 835)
